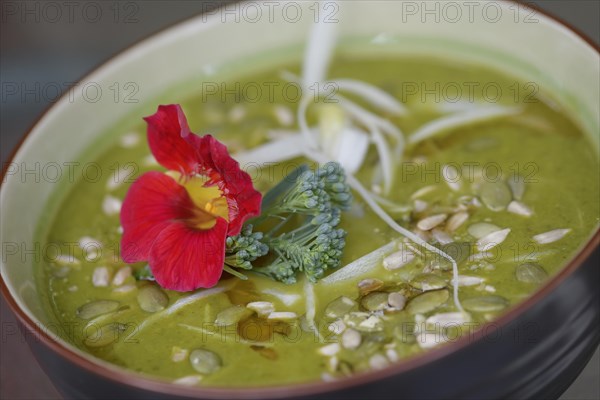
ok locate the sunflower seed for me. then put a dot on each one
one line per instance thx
(262, 308)
(441, 236)
(111, 205)
(423, 191)
(485, 303)
(340, 307)
(448, 319)
(205, 361)
(67, 260)
(516, 207)
(282, 316)
(427, 301)
(517, 186)
(371, 324)
(329, 350)
(375, 301)
(178, 354)
(420, 206)
(369, 285)
(398, 259)
(237, 113)
(392, 355)
(351, 339)
(152, 299)
(464, 280)
(124, 289)
(431, 222)
(129, 140)
(482, 229)
(104, 336)
(121, 276)
(232, 315)
(551, 236)
(336, 327)
(492, 240)
(190, 380)
(427, 282)
(396, 300)
(101, 277)
(378, 361)
(428, 340)
(531, 273)
(486, 255)
(96, 308)
(495, 195)
(452, 177)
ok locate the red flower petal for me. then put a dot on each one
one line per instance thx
(170, 139)
(185, 259)
(153, 202)
(243, 200)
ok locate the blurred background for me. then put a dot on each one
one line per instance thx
(46, 46)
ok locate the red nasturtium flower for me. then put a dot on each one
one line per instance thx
(178, 221)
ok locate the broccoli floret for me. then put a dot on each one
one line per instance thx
(316, 245)
(242, 249)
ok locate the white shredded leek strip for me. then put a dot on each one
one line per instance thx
(281, 149)
(360, 266)
(320, 48)
(385, 159)
(304, 129)
(465, 118)
(390, 205)
(182, 302)
(371, 94)
(222, 335)
(311, 307)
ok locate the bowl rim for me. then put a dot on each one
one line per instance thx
(126, 377)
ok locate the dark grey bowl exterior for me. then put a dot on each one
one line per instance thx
(533, 352)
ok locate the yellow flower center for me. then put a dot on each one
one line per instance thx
(209, 201)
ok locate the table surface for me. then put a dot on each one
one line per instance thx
(36, 47)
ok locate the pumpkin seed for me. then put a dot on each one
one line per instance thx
(427, 282)
(495, 195)
(205, 361)
(375, 301)
(427, 301)
(96, 308)
(531, 273)
(485, 303)
(369, 285)
(482, 229)
(340, 307)
(106, 335)
(152, 299)
(517, 186)
(459, 251)
(232, 315)
(451, 176)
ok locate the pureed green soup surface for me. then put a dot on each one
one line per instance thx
(532, 173)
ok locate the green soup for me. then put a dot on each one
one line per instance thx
(518, 177)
